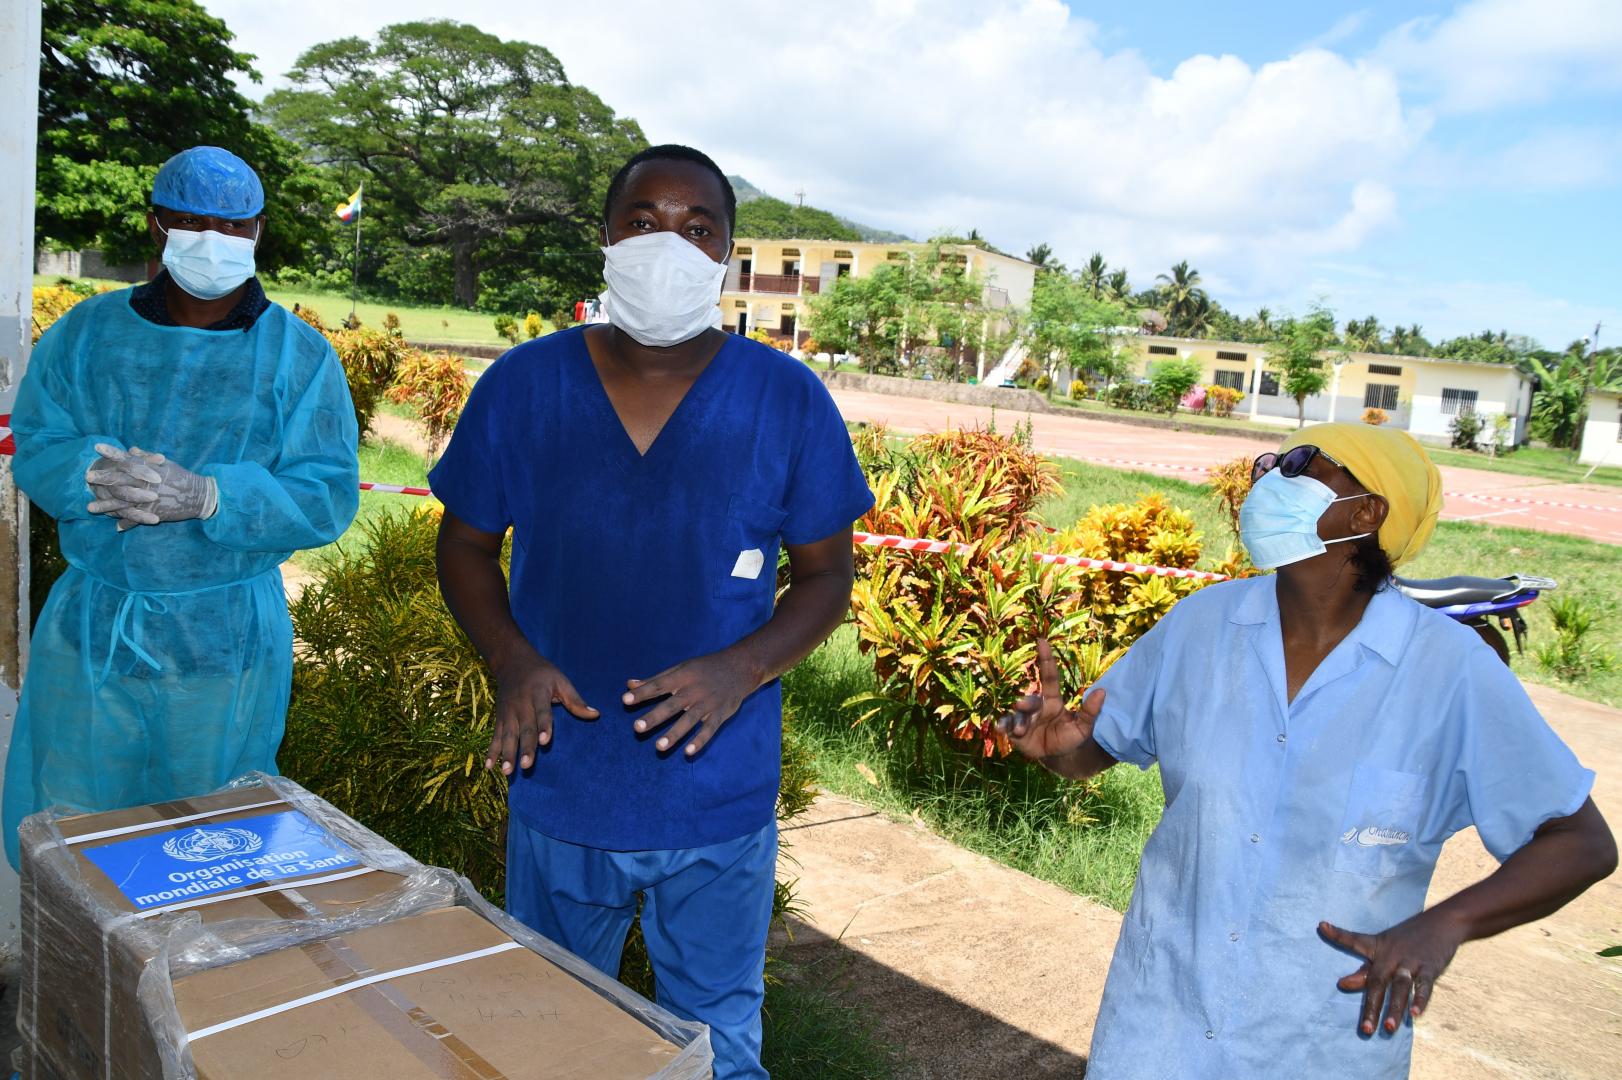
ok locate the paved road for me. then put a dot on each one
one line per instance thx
(1588, 510)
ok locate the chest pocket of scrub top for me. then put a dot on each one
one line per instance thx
(1379, 833)
(745, 553)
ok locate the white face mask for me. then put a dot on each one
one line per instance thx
(1278, 521)
(662, 290)
(208, 264)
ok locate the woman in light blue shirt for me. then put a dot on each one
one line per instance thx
(1319, 736)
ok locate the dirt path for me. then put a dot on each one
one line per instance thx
(398, 429)
(1590, 510)
(919, 930)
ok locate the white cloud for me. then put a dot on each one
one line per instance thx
(1345, 27)
(1024, 121)
(1494, 53)
(1005, 117)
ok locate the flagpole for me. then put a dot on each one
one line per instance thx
(354, 278)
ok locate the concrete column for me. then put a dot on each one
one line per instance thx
(1256, 356)
(19, 112)
(1334, 388)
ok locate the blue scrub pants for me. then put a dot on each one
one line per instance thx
(705, 913)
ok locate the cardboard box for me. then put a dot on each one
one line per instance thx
(193, 883)
(446, 994)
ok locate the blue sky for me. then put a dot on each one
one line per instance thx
(1458, 165)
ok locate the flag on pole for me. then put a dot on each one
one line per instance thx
(350, 210)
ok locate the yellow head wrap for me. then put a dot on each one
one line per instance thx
(1389, 463)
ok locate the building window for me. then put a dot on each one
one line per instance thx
(1458, 401)
(746, 251)
(1162, 350)
(1233, 380)
(895, 256)
(740, 303)
(1269, 384)
(1384, 369)
(1380, 396)
(1239, 356)
(843, 270)
(843, 255)
(791, 253)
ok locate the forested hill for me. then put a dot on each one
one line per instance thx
(759, 214)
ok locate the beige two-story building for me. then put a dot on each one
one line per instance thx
(769, 282)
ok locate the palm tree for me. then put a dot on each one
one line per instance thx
(1200, 313)
(1181, 293)
(1264, 324)
(1364, 335)
(1116, 287)
(1041, 255)
(1093, 275)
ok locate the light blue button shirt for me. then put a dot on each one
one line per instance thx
(1280, 814)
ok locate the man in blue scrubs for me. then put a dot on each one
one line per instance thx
(649, 468)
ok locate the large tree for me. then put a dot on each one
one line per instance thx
(767, 218)
(478, 147)
(125, 84)
(1302, 347)
(1068, 328)
(925, 311)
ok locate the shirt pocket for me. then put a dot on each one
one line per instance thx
(1379, 831)
(745, 556)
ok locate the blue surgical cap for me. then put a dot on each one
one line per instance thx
(211, 181)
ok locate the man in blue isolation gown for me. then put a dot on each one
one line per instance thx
(188, 435)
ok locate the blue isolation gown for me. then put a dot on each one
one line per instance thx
(160, 666)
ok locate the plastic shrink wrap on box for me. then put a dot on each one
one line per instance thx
(258, 865)
(462, 992)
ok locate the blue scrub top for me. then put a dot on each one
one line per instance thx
(1281, 814)
(624, 565)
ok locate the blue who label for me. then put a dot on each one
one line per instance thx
(170, 868)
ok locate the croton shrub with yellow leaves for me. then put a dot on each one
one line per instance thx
(952, 637)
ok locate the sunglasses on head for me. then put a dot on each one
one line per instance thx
(1293, 462)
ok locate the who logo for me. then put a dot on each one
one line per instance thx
(209, 845)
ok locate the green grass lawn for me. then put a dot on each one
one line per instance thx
(435, 324)
(381, 462)
(1540, 461)
(1019, 815)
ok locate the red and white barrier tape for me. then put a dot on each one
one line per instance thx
(907, 543)
(394, 489)
(1530, 502)
(939, 547)
(8, 445)
(1129, 568)
(1146, 464)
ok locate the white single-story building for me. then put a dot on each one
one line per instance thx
(1602, 434)
(1421, 394)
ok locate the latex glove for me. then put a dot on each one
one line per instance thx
(120, 481)
(142, 488)
(182, 495)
